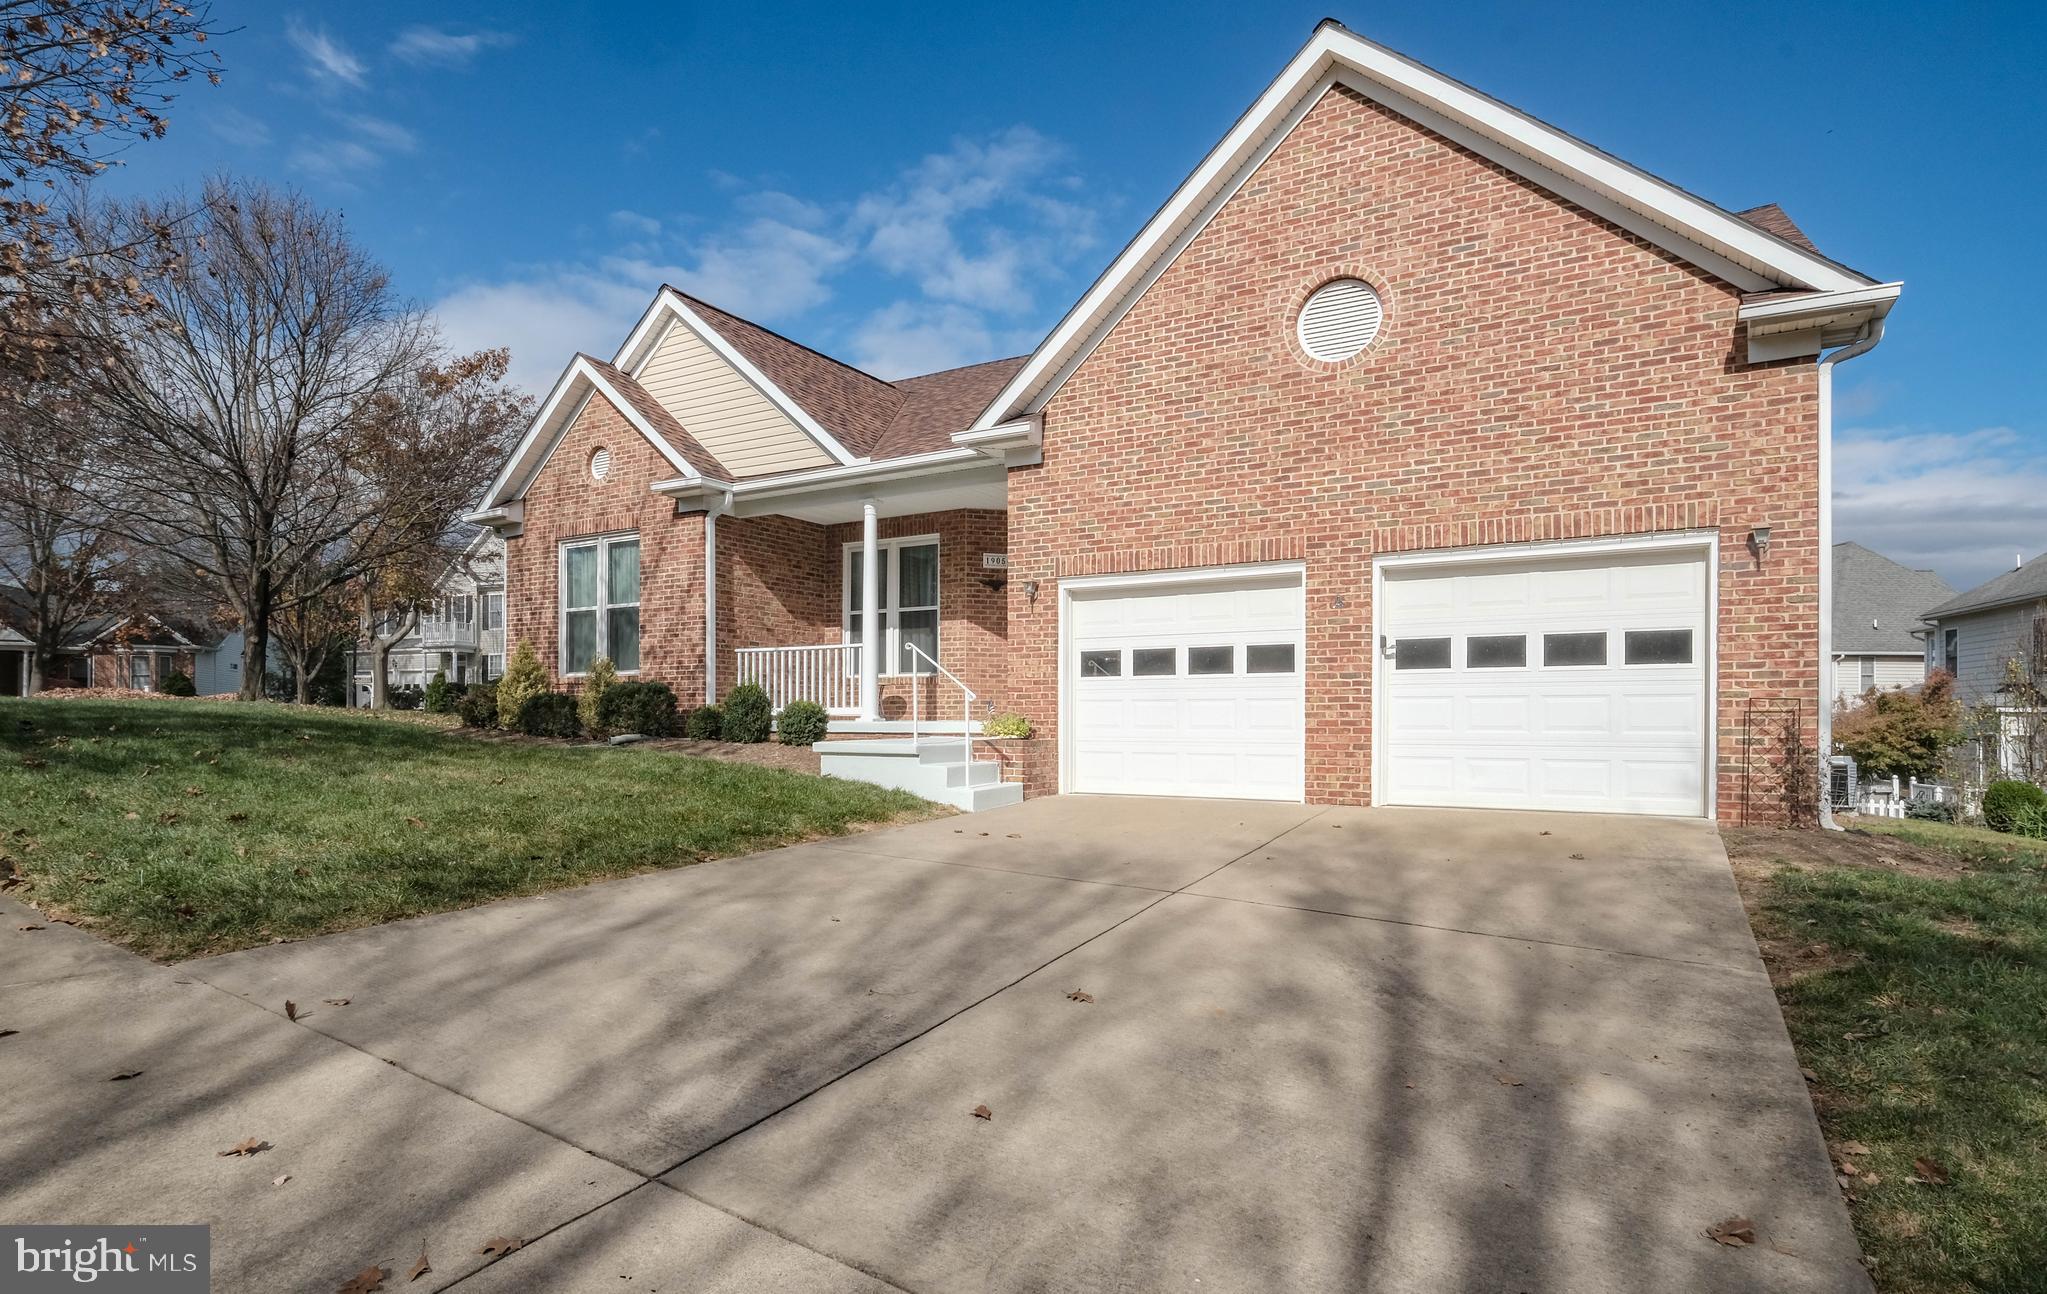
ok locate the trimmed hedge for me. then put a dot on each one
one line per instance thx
(749, 715)
(2014, 807)
(177, 683)
(802, 723)
(478, 706)
(550, 714)
(705, 723)
(1007, 724)
(405, 697)
(645, 708)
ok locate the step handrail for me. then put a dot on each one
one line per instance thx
(967, 698)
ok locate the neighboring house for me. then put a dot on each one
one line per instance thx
(462, 634)
(135, 652)
(1976, 635)
(1415, 452)
(1878, 636)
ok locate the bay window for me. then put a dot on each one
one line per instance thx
(909, 602)
(600, 603)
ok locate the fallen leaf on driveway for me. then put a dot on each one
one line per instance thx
(28, 927)
(1930, 1172)
(1734, 1232)
(253, 1146)
(1506, 1080)
(501, 1245)
(280, 1179)
(1809, 1076)
(983, 1112)
(1080, 995)
(364, 1281)
(125, 1075)
(291, 1009)
(335, 1001)
(422, 1267)
(1579, 857)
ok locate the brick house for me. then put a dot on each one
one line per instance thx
(1415, 452)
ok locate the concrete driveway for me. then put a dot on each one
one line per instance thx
(1327, 1050)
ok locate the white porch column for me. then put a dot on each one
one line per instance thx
(870, 612)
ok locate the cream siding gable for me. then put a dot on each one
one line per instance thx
(728, 415)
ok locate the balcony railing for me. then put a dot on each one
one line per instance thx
(828, 674)
(438, 632)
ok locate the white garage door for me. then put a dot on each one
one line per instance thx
(1574, 684)
(1187, 689)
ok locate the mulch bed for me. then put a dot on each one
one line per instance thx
(767, 754)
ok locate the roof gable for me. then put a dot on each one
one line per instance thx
(1749, 255)
(1878, 602)
(2028, 583)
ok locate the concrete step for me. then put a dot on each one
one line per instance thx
(930, 768)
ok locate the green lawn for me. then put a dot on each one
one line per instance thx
(185, 828)
(1923, 1013)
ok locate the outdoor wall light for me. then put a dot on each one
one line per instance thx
(1031, 592)
(1759, 542)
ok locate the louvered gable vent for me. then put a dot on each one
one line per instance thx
(1340, 319)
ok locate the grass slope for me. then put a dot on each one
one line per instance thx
(184, 828)
(1923, 1011)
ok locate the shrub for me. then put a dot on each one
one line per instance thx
(2009, 806)
(590, 701)
(406, 696)
(177, 683)
(2030, 820)
(802, 723)
(523, 678)
(437, 700)
(1901, 734)
(548, 714)
(1931, 810)
(1007, 724)
(645, 708)
(478, 706)
(705, 723)
(749, 715)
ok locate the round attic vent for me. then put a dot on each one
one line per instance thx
(600, 464)
(1339, 319)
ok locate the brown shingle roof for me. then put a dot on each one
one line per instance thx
(938, 404)
(854, 406)
(1772, 219)
(644, 403)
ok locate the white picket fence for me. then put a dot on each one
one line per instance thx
(1888, 799)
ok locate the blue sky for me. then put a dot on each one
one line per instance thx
(910, 187)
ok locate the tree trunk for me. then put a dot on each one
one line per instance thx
(256, 639)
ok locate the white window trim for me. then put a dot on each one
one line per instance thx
(602, 544)
(494, 598)
(887, 559)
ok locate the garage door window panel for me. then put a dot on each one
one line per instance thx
(1657, 647)
(1496, 651)
(1269, 658)
(1211, 660)
(1101, 664)
(1564, 651)
(1421, 653)
(1154, 662)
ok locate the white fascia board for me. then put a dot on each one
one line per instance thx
(1874, 301)
(875, 472)
(1716, 240)
(505, 514)
(633, 416)
(1024, 433)
(677, 310)
(501, 489)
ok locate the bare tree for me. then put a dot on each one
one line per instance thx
(243, 411)
(58, 543)
(315, 619)
(79, 81)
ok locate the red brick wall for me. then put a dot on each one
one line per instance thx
(564, 503)
(1540, 374)
(776, 588)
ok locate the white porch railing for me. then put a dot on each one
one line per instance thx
(828, 674)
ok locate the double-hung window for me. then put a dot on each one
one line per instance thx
(909, 602)
(493, 611)
(600, 603)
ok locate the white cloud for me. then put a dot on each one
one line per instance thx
(386, 135)
(1960, 503)
(361, 147)
(423, 46)
(975, 224)
(325, 57)
(238, 128)
(973, 233)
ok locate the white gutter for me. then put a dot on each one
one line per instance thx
(711, 606)
(1872, 333)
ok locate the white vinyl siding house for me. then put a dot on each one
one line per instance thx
(1983, 642)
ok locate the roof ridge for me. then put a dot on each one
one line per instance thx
(755, 323)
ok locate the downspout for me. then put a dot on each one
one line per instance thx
(1872, 333)
(711, 604)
